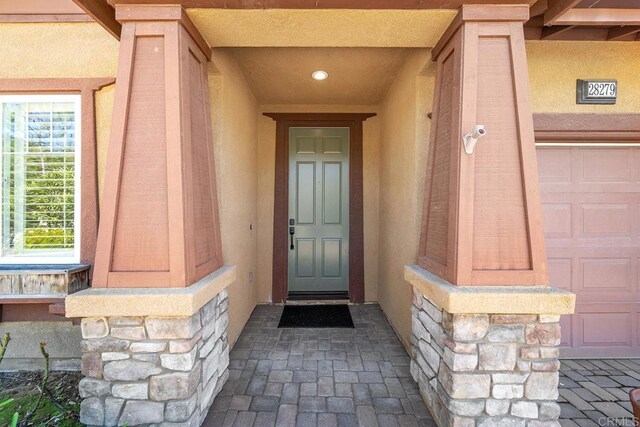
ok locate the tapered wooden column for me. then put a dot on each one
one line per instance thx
(482, 220)
(159, 221)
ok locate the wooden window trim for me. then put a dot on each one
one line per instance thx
(284, 121)
(86, 87)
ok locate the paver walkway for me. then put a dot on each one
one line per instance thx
(351, 377)
(323, 377)
(595, 393)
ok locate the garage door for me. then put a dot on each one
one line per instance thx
(591, 204)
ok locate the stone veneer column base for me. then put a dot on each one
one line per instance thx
(489, 366)
(153, 357)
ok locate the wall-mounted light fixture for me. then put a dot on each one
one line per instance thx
(470, 139)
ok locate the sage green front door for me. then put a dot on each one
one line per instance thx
(318, 210)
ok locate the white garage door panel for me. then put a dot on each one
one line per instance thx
(591, 207)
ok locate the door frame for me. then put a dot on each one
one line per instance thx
(284, 121)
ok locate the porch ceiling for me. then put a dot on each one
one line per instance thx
(357, 76)
(321, 28)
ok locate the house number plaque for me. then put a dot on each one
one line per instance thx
(596, 91)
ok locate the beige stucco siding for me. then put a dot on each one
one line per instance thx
(104, 111)
(555, 66)
(57, 50)
(235, 135)
(266, 177)
(404, 135)
(63, 345)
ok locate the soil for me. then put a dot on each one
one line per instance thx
(59, 406)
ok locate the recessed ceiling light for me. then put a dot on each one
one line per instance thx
(320, 75)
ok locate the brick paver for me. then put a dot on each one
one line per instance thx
(595, 393)
(360, 377)
(319, 377)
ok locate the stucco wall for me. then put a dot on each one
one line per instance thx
(63, 345)
(235, 136)
(104, 111)
(57, 50)
(555, 66)
(266, 176)
(404, 138)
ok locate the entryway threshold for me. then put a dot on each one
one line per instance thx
(318, 302)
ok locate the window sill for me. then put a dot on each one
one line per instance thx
(41, 281)
(9, 269)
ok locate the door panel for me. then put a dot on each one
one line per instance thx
(319, 206)
(591, 205)
(306, 201)
(331, 262)
(331, 193)
(305, 257)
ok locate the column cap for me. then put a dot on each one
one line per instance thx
(481, 13)
(158, 13)
(163, 302)
(489, 299)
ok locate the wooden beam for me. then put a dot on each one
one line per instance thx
(532, 33)
(323, 4)
(548, 33)
(599, 17)
(535, 21)
(103, 14)
(574, 34)
(556, 9)
(587, 127)
(618, 33)
(538, 8)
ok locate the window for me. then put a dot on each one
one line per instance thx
(40, 170)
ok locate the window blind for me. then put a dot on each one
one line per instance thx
(39, 178)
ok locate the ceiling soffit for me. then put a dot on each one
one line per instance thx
(357, 76)
(321, 28)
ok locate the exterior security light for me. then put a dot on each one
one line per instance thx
(319, 75)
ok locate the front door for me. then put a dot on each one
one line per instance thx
(318, 212)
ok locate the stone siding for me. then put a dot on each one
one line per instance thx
(486, 369)
(153, 370)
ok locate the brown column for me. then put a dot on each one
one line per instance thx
(159, 221)
(482, 221)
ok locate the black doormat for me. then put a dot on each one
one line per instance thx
(316, 316)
